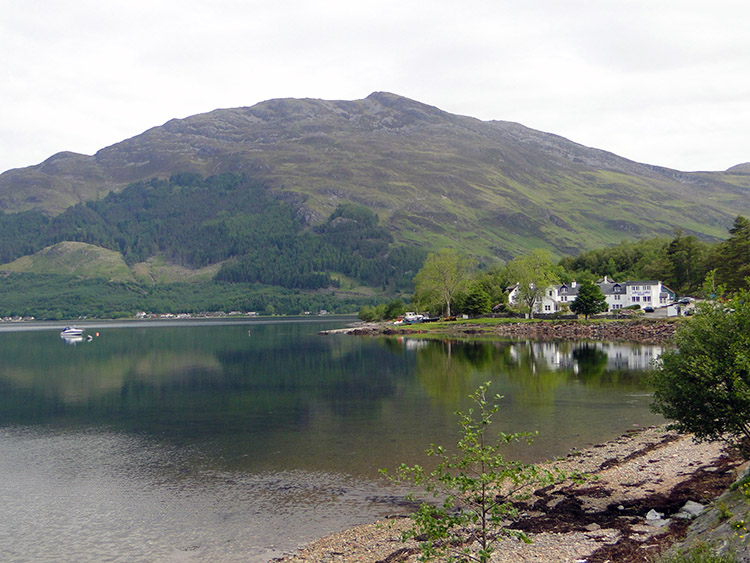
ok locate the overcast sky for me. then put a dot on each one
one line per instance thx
(658, 81)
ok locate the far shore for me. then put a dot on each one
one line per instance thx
(36, 324)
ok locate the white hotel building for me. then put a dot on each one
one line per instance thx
(558, 298)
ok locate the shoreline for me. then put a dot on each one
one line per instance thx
(603, 519)
(644, 331)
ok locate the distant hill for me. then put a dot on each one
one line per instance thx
(435, 179)
(74, 258)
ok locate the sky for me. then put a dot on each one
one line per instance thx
(657, 81)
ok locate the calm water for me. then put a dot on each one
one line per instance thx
(238, 441)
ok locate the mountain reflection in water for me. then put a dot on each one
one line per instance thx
(252, 422)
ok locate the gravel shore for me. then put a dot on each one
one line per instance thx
(603, 519)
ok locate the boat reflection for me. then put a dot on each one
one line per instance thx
(71, 340)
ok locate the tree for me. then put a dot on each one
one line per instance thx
(494, 281)
(534, 273)
(704, 384)
(590, 300)
(394, 309)
(479, 487)
(444, 274)
(477, 301)
(733, 264)
(686, 255)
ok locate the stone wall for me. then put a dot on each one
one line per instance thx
(632, 331)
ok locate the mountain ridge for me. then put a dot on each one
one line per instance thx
(494, 188)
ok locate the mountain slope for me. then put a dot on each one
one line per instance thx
(435, 179)
(74, 258)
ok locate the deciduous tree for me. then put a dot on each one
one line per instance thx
(444, 273)
(534, 273)
(590, 300)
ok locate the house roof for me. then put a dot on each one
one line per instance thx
(570, 290)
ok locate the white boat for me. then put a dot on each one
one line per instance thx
(71, 332)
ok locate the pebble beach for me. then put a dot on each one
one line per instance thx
(607, 518)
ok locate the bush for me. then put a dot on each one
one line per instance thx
(704, 384)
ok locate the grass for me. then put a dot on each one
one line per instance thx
(699, 554)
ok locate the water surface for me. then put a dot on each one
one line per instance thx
(236, 441)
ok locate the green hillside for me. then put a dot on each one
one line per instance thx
(297, 204)
(76, 259)
(225, 228)
(435, 179)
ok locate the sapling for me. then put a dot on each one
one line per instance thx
(475, 489)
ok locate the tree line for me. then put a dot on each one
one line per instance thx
(451, 282)
(230, 219)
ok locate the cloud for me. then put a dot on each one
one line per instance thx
(664, 82)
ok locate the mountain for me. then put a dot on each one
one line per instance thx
(435, 179)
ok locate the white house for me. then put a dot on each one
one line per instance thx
(618, 295)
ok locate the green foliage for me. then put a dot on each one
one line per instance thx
(733, 256)
(358, 213)
(723, 510)
(476, 301)
(704, 385)
(443, 275)
(18, 234)
(687, 260)
(54, 297)
(394, 309)
(589, 301)
(644, 259)
(699, 554)
(383, 311)
(476, 487)
(495, 283)
(681, 263)
(230, 219)
(534, 273)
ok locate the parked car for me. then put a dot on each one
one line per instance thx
(648, 309)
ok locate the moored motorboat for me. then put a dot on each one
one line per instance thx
(71, 332)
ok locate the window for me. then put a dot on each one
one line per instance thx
(547, 308)
(636, 288)
(550, 293)
(564, 298)
(647, 298)
(636, 299)
(617, 297)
